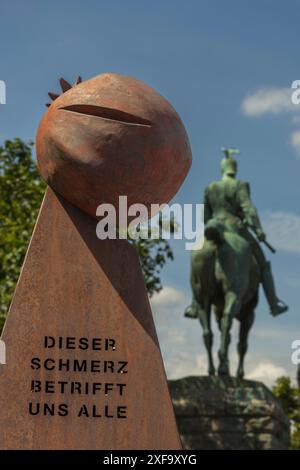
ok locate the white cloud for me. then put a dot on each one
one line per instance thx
(283, 230)
(167, 296)
(183, 365)
(271, 334)
(272, 100)
(269, 101)
(295, 141)
(266, 372)
(177, 337)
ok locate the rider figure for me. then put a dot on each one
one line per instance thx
(228, 202)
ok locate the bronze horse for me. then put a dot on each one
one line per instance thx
(225, 276)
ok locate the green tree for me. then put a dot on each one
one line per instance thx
(289, 397)
(21, 193)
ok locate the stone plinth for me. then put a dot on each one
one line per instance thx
(215, 413)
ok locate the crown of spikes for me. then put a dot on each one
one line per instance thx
(65, 86)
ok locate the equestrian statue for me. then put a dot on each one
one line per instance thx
(228, 269)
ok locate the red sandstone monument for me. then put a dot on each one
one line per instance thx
(83, 365)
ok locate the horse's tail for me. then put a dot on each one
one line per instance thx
(202, 280)
(193, 310)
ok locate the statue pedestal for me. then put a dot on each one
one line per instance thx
(218, 413)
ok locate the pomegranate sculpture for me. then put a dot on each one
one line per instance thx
(110, 136)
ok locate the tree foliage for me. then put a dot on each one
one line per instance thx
(21, 193)
(289, 397)
(154, 252)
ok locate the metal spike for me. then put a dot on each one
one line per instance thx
(78, 80)
(48, 104)
(65, 86)
(53, 96)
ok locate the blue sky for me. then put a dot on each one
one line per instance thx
(227, 68)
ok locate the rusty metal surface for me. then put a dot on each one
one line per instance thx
(112, 135)
(73, 285)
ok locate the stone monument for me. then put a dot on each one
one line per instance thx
(83, 365)
(216, 413)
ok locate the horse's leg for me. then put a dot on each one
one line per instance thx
(202, 276)
(245, 326)
(218, 316)
(231, 308)
(201, 308)
(204, 317)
